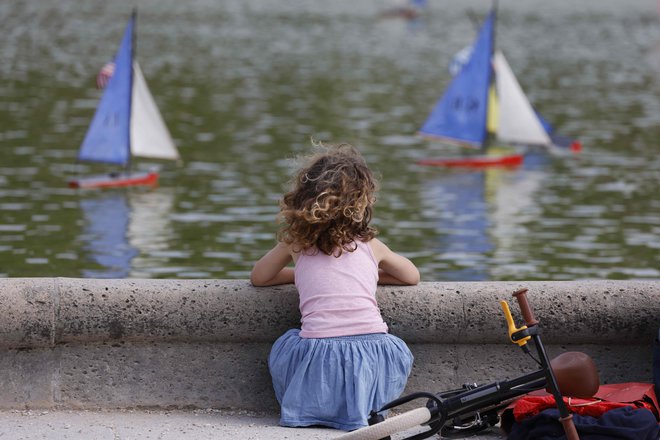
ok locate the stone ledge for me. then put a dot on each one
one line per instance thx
(45, 312)
(89, 343)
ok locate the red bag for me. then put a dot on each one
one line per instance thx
(610, 396)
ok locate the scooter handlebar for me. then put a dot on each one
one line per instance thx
(525, 308)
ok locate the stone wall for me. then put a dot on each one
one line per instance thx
(89, 343)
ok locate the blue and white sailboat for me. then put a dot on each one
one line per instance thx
(484, 104)
(126, 124)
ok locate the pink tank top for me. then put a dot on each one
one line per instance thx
(338, 295)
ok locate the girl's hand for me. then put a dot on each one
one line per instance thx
(271, 269)
(393, 268)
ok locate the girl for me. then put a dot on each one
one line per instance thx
(342, 363)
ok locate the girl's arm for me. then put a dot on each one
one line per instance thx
(393, 268)
(271, 268)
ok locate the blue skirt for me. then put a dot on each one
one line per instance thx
(337, 382)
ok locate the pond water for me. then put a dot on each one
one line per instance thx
(244, 85)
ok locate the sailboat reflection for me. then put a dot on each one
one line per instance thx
(126, 233)
(150, 230)
(480, 217)
(457, 203)
(106, 223)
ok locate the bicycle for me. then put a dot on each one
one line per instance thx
(473, 407)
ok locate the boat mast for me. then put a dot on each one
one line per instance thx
(489, 137)
(494, 9)
(130, 100)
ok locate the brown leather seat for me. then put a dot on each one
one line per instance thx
(576, 374)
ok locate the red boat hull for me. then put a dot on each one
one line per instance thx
(116, 180)
(512, 160)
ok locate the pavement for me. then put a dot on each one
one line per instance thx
(159, 424)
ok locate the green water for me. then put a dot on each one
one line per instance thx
(244, 85)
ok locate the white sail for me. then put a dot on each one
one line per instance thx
(149, 134)
(518, 122)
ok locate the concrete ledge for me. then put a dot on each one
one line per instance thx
(87, 343)
(165, 424)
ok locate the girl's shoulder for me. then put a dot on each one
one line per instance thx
(297, 251)
(378, 248)
(374, 242)
(283, 248)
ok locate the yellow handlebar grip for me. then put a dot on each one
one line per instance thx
(512, 326)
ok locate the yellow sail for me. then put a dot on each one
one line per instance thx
(493, 110)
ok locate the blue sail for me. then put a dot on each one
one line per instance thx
(460, 114)
(108, 136)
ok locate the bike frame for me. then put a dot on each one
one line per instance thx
(445, 407)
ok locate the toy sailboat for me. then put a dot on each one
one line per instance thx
(126, 124)
(484, 103)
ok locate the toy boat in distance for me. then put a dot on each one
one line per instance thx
(126, 124)
(484, 106)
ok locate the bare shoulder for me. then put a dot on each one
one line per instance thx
(379, 248)
(283, 248)
(394, 268)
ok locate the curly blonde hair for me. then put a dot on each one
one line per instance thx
(330, 205)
